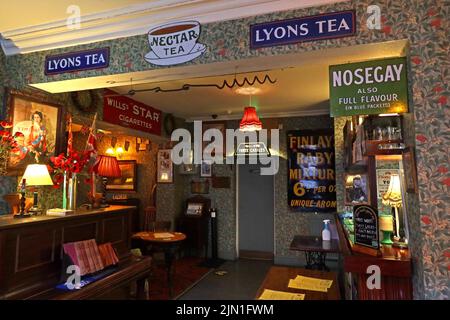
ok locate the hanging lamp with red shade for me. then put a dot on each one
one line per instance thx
(250, 121)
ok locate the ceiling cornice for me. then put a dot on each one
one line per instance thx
(138, 19)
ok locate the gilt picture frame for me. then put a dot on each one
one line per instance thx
(39, 127)
(127, 182)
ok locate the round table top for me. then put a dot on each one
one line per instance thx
(160, 237)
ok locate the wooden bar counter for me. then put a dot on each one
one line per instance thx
(31, 250)
(395, 267)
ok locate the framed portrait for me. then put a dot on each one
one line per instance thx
(39, 127)
(206, 168)
(221, 126)
(128, 180)
(164, 166)
(356, 189)
(194, 209)
(410, 170)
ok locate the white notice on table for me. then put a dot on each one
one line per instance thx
(281, 295)
(162, 235)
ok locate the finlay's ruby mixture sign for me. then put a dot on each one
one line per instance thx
(129, 113)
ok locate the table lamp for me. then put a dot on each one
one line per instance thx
(386, 226)
(108, 167)
(36, 175)
(393, 198)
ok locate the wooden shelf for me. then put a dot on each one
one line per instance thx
(372, 147)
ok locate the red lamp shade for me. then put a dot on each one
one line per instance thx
(250, 120)
(108, 167)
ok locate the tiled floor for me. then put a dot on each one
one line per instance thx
(241, 282)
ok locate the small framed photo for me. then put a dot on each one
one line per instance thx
(142, 144)
(206, 168)
(356, 189)
(410, 170)
(164, 166)
(194, 209)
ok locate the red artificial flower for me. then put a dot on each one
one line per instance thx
(421, 138)
(426, 220)
(6, 124)
(4, 133)
(18, 134)
(438, 89)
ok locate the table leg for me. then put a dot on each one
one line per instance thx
(141, 294)
(316, 260)
(169, 255)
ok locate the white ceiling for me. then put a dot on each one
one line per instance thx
(301, 87)
(31, 25)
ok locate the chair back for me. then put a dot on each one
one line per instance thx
(149, 219)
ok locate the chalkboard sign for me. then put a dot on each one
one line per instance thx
(365, 220)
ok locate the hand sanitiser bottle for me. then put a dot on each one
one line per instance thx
(326, 234)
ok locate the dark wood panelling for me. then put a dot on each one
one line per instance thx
(31, 250)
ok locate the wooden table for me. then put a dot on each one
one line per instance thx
(315, 250)
(278, 279)
(169, 245)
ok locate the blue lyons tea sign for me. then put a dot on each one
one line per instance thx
(77, 61)
(320, 27)
(369, 87)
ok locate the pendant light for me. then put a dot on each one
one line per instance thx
(250, 120)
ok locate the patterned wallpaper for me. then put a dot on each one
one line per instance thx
(424, 23)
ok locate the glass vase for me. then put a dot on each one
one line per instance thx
(72, 192)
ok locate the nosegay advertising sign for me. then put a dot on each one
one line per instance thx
(370, 87)
(129, 113)
(311, 172)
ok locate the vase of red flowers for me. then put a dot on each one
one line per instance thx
(65, 170)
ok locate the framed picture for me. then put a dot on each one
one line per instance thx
(128, 180)
(206, 168)
(194, 209)
(356, 189)
(164, 166)
(142, 144)
(221, 126)
(40, 129)
(410, 170)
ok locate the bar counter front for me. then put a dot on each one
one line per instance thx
(31, 249)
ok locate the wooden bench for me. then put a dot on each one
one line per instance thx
(114, 286)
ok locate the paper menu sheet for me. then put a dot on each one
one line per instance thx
(280, 295)
(161, 235)
(310, 280)
(312, 284)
